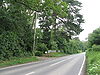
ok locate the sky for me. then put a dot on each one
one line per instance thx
(91, 14)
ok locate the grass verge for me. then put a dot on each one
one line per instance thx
(54, 54)
(22, 60)
(93, 63)
(17, 60)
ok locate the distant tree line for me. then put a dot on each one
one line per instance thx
(94, 40)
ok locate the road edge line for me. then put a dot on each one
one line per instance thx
(82, 65)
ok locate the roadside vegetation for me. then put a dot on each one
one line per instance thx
(93, 63)
(59, 21)
(17, 60)
(21, 36)
(93, 53)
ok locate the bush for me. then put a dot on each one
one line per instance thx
(96, 47)
(10, 46)
(54, 45)
(42, 47)
(93, 64)
(89, 49)
(38, 53)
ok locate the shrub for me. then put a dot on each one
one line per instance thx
(93, 64)
(10, 46)
(54, 45)
(89, 49)
(38, 53)
(42, 47)
(96, 47)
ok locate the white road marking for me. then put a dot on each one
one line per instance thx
(59, 62)
(50, 65)
(82, 66)
(30, 73)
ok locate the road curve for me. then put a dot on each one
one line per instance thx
(67, 65)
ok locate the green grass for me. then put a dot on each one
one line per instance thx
(54, 54)
(22, 60)
(15, 61)
(93, 62)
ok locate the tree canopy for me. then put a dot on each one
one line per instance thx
(94, 38)
(59, 20)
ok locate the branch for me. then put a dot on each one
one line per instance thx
(23, 4)
(61, 20)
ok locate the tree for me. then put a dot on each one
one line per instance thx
(74, 18)
(67, 24)
(59, 20)
(48, 18)
(16, 28)
(94, 37)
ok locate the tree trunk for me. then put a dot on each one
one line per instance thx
(35, 32)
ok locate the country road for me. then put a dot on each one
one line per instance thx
(67, 65)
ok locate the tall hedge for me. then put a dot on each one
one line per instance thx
(11, 46)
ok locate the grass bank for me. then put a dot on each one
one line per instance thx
(93, 63)
(22, 60)
(54, 54)
(18, 60)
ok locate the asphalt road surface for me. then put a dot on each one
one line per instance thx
(67, 65)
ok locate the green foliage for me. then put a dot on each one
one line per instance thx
(63, 45)
(18, 18)
(42, 47)
(75, 46)
(16, 37)
(10, 46)
(96, 47)
(93, 65)
(74, 18)
(71, 46)
(89, 49)
(17, 60)
(68, 23)
(94, 38)
(54, 45)
(38, 53)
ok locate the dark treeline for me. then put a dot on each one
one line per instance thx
(94, 40)
(58, 22)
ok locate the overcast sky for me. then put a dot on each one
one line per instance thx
(91, 14)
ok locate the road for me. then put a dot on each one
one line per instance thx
(67, 65)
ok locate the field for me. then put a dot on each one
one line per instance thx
(93, 63)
